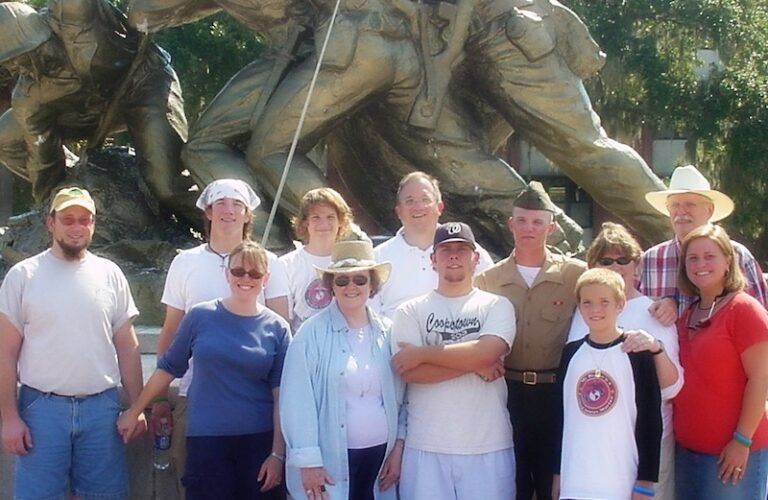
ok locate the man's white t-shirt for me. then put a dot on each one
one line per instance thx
(198, 275)
(412, 273)
(67, 312)
(308, 296)
(635, 316)
(464, 415)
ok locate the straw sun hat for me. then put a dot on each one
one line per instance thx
(355, 256)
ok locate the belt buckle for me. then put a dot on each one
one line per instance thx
(530, 378)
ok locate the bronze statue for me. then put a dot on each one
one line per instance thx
(84, 73)
(435, 78)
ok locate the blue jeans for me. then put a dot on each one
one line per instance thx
(364, 465)
(696, 477)
(76, 448)
(227, 467)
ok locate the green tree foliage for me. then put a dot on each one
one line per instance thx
(651, 80)
(206, 54)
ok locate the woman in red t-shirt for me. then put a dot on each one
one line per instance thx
(720, 416)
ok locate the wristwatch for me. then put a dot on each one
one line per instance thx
(661, 348)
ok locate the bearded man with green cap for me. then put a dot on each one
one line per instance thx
(541, 285)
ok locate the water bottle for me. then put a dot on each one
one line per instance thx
(162, 451)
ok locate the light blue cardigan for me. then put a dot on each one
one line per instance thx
(312, 404)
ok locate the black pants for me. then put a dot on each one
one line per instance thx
(532, 409)
(364, 465)
(221, 467)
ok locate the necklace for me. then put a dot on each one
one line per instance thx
(358, 341)
(598, 372)
(222, 256)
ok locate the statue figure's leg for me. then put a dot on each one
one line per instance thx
(154, 115)
(380, 69)
(213, 150)
(547, 104)
(13, 150)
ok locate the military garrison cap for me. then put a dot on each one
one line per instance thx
(534, 197)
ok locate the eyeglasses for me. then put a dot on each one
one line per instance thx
(71, 221)
(343, 280)
(239, 272)
(607, 261)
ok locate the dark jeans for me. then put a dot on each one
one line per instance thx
(532, 409)
(364, 465)
(228, 467)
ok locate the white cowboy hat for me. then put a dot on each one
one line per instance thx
(355, 256)
(688, 179)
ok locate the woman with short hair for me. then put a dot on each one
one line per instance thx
(340, 416)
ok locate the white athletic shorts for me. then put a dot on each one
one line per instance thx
(442, 476)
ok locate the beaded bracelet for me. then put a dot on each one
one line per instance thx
(742, 439)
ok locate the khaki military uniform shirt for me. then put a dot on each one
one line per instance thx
(543, 311)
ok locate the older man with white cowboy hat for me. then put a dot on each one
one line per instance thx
(690, 202)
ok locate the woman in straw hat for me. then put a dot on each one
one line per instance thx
(340, 411)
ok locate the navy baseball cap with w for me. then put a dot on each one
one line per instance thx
(454, 231)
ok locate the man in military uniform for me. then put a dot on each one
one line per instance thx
(541, 286)
(72, 59)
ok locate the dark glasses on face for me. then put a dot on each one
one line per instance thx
(607, 261)
(343, 280)
(239, 272)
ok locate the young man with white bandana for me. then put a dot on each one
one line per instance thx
(66, 334)
(197, 275)
(448, 348)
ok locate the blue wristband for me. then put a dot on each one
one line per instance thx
(649, 492)
(742, 439)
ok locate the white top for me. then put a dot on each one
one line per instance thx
(635, 316)
(307, 294)
(464, 415)
(528, 273)
(198, 275)
(67, 313)
(599, 454)
(366, 419)
(412, 273)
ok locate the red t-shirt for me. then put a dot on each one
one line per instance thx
(707, 408)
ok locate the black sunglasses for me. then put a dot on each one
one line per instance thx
(607, 261)
(343, 280)
(239, 272)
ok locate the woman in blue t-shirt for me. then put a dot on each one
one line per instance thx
(234, 445)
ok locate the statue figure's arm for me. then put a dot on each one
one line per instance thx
(150, 16)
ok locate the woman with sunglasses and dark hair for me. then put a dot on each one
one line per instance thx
(234, 445)
(340, 419)
(616, 249)
(720, 415)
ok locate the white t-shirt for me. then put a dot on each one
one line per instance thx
(599, 454)
(412, 273)
(67, 313)
(635, 316)
(198, 275)
(464, 415)
(528, 273)
(307, 295)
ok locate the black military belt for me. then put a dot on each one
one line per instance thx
(531, 377)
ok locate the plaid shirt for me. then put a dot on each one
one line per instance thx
(660, 266)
